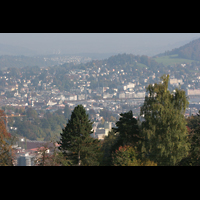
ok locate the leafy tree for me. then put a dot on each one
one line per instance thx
(194, 153)
(45, 123)
(5, 147)
(9, 94)
(53, 158)
(147, 162)
(126, 133)
(112, 119)
(106, 114)
(106, 148)
(164, 126)
(127, 156)
(92, 113)
(30, 112)
(75, 138)
(193, 126)
(102, 121)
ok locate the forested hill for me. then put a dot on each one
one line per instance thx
(120, 61)
(190, 50)
(7, 61)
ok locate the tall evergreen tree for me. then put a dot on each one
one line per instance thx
(125, 133)
(128, 130)
(164, 126)
(76, 142)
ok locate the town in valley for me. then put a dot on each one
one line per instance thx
(105, 87)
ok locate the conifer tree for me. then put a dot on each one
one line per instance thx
(128, 130)
(76, 142)
(125, 133)
(164, 126)
(127, 127)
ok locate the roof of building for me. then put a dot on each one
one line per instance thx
(30, 144)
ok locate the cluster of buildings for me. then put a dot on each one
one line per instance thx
(29, 152)
(50, 95)
(126, 93)
(61, 59)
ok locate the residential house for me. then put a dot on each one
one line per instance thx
(51, 103)
(121, 95)
(81, 97)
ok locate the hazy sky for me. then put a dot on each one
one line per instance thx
(136, 43)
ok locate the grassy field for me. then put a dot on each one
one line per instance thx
(140, 65)
(171, 60)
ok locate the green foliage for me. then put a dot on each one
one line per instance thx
(31, 113)
(128, 156)
(33, 127)
(193, 125)
(54, 158)
(62, 81)
(9, 94)
(23, 61)
(128, 130)
(125, 156)
(76, 139)
(164, 126)
(190, 51)
(5, 143)
(172, 60)
(107, 147)
(106, 114)
(92, 113)
(126, 133)
(112, 119)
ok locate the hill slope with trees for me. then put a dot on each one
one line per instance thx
(190, 50)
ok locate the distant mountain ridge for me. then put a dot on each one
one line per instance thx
(6, 49)
(7, 61)
(190, 51)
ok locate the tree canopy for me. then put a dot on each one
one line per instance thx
(164, 126)
(76, 142)
(5, 147)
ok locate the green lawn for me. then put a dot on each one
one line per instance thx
(172, 59)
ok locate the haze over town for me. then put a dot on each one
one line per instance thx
(44, 76)
(148, 44)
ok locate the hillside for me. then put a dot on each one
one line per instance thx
(8, 61)
(188, 51)
(121, 61)
(6, 49)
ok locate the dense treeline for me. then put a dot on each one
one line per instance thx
(34, 127)
(44, 126)
(130, 64)
(59, 75)
(123, 61)
(161, 136)
(6, 154)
